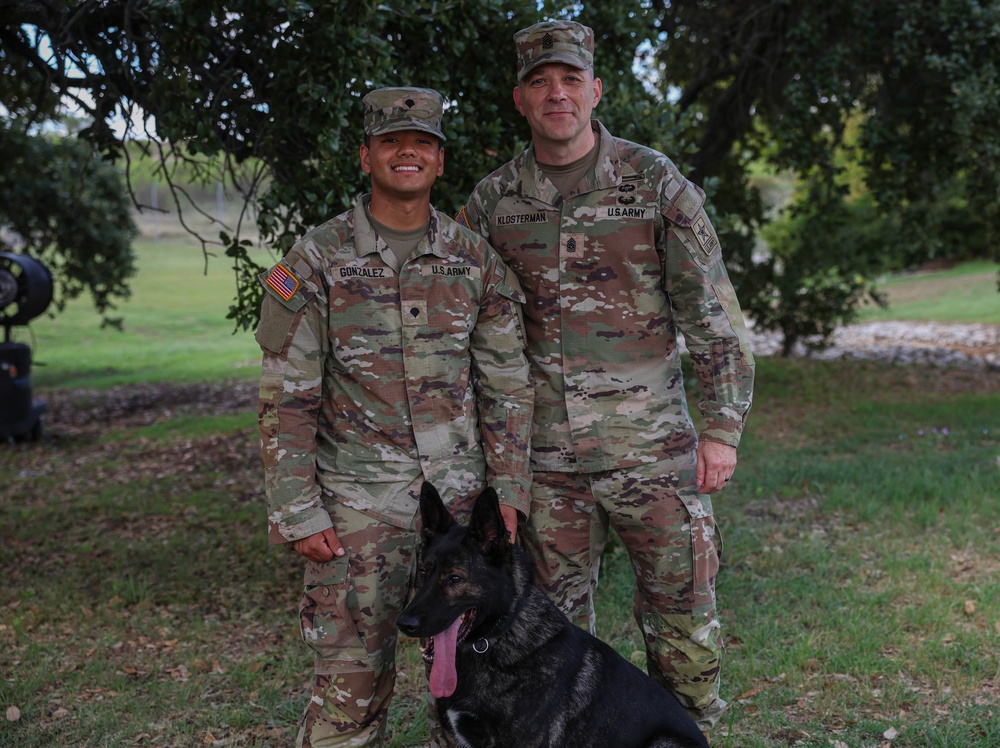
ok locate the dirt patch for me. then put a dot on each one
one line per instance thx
(72, 411)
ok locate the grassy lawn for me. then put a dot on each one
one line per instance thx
(141, 605)
(175, 329)
(965, 293)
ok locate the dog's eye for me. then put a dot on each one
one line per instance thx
(454, 579)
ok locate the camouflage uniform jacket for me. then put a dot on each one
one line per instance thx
(374, 380)
(611, 273)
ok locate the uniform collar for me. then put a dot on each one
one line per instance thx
(367, 242)
(606, 173)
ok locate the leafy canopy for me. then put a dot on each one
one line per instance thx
(892, 102)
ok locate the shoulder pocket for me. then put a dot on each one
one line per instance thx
(687, 212)
(685, 205)
(275, 323)
(284, 296)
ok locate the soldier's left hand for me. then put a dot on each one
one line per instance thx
(716, 464)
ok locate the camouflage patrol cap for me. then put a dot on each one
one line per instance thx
(554, 41)
(394, 109)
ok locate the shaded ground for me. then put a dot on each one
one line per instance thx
(237, 642)
(70, 411)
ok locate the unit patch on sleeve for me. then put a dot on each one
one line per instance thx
(705, 235)
(283, 282)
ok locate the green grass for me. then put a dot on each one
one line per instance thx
(175, 329)
(141, 604)
(965, 293)
(859, 590)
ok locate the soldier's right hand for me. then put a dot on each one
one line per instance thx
(321, 547)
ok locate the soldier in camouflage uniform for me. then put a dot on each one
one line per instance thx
(393, 353)
(616, 256)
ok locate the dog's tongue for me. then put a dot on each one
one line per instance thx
(444, 678)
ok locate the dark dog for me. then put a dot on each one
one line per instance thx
(508, 668)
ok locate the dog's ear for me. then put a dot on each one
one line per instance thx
(487, 527)
(434, 514)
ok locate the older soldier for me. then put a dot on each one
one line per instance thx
(393, 354)
(616, 255)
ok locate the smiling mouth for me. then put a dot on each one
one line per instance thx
(408, 169)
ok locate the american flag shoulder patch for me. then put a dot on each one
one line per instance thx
(283, 282)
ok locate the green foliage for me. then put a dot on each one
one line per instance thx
(913, 89)
(822, 261)
(68, 208)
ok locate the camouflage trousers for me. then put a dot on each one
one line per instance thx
(348, 618)
(672, 542)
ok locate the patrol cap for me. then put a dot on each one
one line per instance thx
(393, 109)
(554, 41)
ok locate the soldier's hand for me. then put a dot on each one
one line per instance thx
(321, 547)
(509, 515)
(716, 464)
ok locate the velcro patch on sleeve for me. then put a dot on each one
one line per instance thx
(281, 280)
(275, 323)
(685, 204)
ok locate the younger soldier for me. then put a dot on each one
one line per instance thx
(616, 256)
(393, 354)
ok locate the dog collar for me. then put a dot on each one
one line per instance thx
(484, 643)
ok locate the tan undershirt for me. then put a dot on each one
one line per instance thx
(402, 243)
(567, 176)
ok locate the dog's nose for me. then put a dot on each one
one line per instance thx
(407, 624)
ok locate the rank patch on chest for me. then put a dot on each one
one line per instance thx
(283, 282)
(571, 244)
(414, 312)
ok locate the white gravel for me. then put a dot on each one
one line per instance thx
(925, 343)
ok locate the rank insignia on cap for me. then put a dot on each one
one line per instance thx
(284, 283)
(547, 41)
